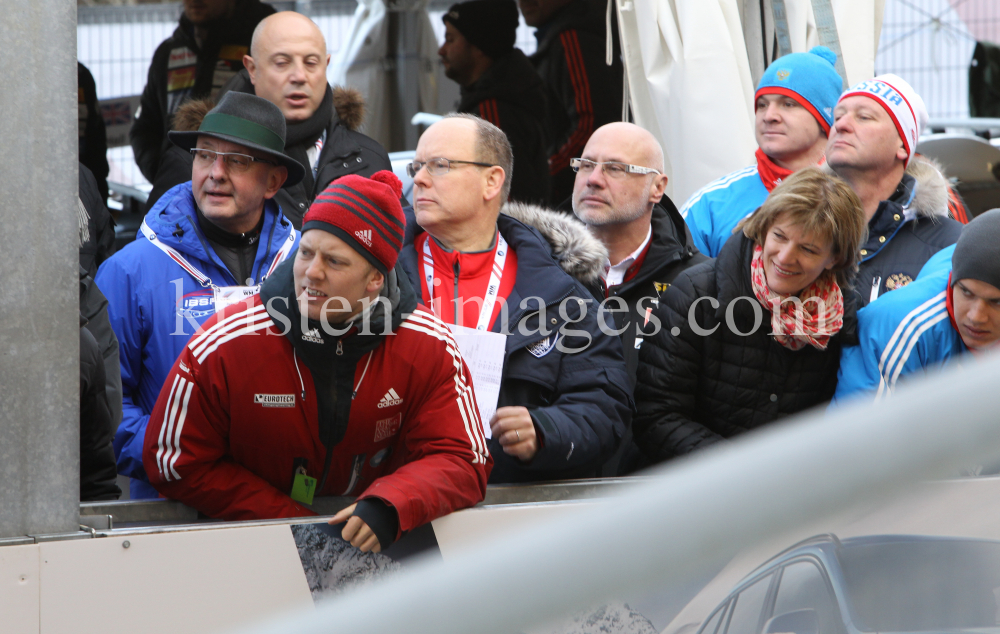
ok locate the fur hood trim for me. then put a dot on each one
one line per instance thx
(189, 115)
(350, 105)
(931, 198)
(576, 250)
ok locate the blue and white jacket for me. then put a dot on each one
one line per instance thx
(905, 332)
(714, 210)
(155, 306)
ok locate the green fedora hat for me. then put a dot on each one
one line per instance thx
(249, 121)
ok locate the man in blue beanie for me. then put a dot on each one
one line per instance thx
(794, 112)
(953, 307)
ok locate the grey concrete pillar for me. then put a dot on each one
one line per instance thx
(39, 297)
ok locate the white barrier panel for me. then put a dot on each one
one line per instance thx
(695, 517)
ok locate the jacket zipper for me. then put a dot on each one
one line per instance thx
(876, 283)
(457, 270)
(359, 463)
(302, 384)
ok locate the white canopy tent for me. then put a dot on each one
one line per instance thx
(390, 56)
(692, 67)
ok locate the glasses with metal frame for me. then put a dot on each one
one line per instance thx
(612, 169)
(232, 160)
(438, 166)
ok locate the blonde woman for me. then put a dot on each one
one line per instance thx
(755, 334)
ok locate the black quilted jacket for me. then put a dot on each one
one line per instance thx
(695, 390)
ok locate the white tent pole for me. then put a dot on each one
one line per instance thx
(697, 515)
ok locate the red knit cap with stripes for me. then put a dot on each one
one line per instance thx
(365, 213)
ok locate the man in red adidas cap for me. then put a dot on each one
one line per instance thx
(331, 382)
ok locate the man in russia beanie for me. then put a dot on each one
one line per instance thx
(793, 114)
(872, 146)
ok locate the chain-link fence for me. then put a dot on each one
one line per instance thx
(117, 43)
(929, 43)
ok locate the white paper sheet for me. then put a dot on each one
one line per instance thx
(483, 353)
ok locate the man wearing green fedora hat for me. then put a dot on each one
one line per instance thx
(204, 245)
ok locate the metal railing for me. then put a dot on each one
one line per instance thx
(689, 520)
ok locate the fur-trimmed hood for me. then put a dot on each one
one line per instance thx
(348, 102)
(930, 200)
(576, 250)
(350, 106)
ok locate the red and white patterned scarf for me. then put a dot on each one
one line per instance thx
(796, 324)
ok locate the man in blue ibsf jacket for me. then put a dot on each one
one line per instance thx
(945, 312)
(205, 244)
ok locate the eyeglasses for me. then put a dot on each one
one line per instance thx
(233, 160)
(612, 169)
(438, 166)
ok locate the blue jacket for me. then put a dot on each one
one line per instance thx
(714, 210)
(904, 332)
(155, 306)
(580, 401)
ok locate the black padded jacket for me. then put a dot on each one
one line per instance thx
(694, 390)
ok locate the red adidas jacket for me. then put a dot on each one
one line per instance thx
(238, 409)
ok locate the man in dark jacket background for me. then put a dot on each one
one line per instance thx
(287, 66)
(499, 85)
(97, 425)
(204, 52)
(584, 92)
(564, 401)
(93, 147)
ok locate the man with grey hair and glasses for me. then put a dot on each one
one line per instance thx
(518, 270)
(619, 194)
(205, 244)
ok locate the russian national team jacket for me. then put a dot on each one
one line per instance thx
(906, 230)
(388, 414)
(155, 305)
(713, 211)
(905, 332)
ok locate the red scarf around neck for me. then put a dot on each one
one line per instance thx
(771, 174)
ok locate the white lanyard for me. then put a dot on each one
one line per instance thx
(203, 279)
(492, 290)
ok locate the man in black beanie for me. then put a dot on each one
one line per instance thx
(499, 85)
(952, 307)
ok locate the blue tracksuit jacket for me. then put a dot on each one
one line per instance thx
(155, 306)
(904, 332)
(714, 210)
